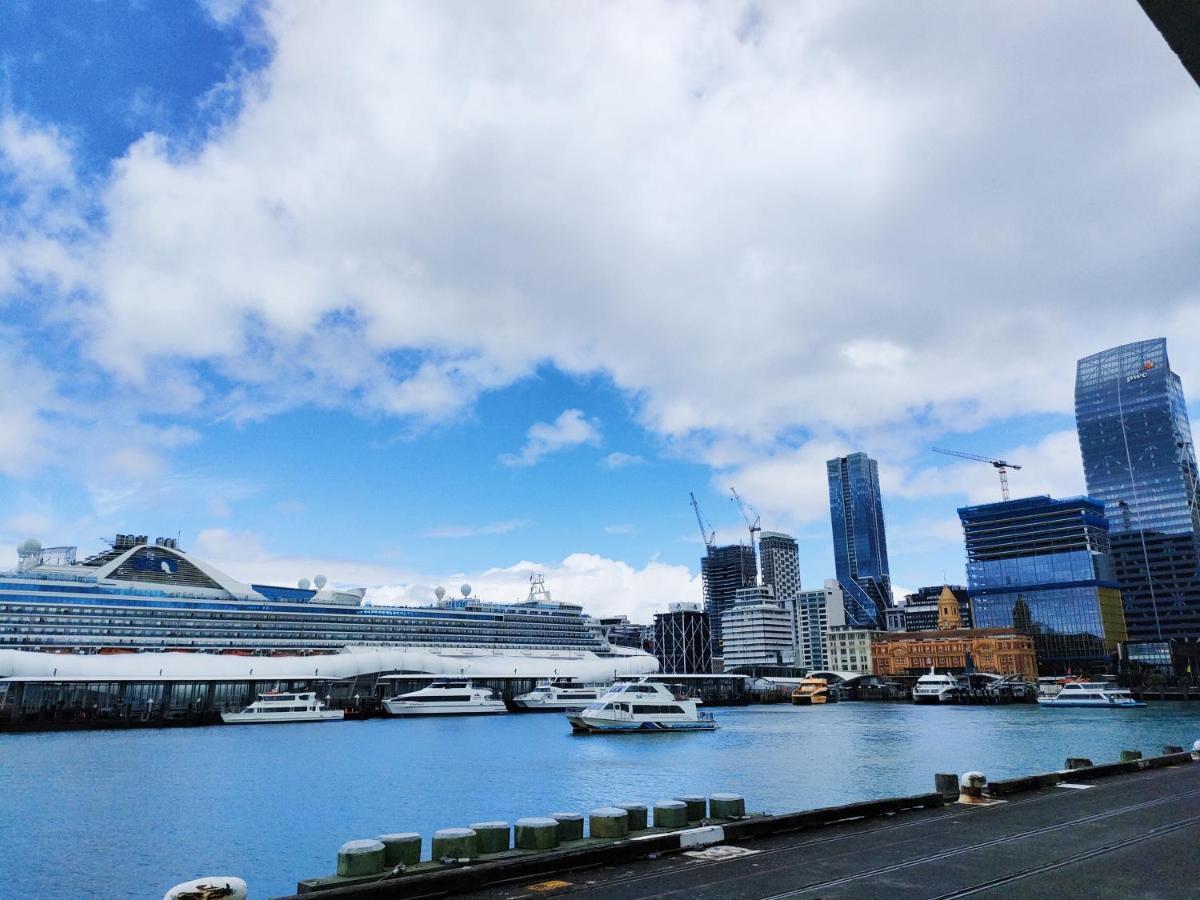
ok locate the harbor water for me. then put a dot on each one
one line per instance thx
(129, 813)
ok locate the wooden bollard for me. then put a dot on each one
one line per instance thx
(1078, 762)
(536, 833)
(491, 837)
(608, 822)
(402, 848)
(1130, 755)
(637, 815)
(727, 806)
(454, 843)
(670, 814)
(946, 784)
(360, 858)
(570, 826)
(697, 806)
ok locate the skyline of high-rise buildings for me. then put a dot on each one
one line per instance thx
(859, 539)
(779, 562)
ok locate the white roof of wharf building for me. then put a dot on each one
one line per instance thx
(21, 665)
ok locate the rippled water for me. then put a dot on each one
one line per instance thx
(128, 814)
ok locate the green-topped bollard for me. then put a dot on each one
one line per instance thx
(402, 848)
(536, 833)
(1131, 755)
(1078, 762)
(608, 822)
(360, 858)
(697, 806)
(727, 806)
(570, 825)
(670, 814)
(454, 843)
(491, 837)
(638, 815)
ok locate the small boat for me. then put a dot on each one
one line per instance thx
(559, 695)
(445, 698)
(810, 692)
(935, 688)
(1091, 693)
(282, 707)
(640, 706)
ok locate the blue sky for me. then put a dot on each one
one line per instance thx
(413, 294)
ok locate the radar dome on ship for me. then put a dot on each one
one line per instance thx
(466, 590)
(304, 584)
(29, 546)
(439, 592)
(319, 581)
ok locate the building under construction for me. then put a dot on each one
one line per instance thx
(683, 640)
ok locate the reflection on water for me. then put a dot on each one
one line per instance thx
(131, 813)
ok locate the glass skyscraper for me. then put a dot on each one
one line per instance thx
(725, 571)
(1138, 460)
(779, 556)
(859, 541)
(1043, 567)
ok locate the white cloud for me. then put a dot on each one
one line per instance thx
(569, 430)
(465, 531)
(619, 460)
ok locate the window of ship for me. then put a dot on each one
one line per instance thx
(455, 698)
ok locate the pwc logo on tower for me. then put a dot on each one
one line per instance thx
(1146, 367)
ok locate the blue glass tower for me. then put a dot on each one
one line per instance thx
(1139, 460)
(859, 541)
(1043, 567)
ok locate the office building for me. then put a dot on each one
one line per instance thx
(1043, 567)
(920, 609)
(859, 541)
(997, 651)
(779, 557)
(813, 614)
(682, 640)
(1139, 461)
(848, 649)
(757, 630)
(725, 571)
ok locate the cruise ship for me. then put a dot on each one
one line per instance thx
(140, 596)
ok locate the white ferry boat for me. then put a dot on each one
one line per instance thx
(1091, 693)
(560, 695)
(641, 706)
(281, 707)
(445, 698)
(935, 688)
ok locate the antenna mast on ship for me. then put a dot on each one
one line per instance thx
(537, 589)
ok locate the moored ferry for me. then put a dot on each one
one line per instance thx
(141, 596)
(278, 706)
(811, 692)
(445, 698)
(1096, 694)
(935, 688)
(559, 695)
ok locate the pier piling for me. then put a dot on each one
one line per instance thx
(454, 843)
(536, 833)
(608, 822)
(402, 848)
(670, 814)
(490, 837)
(360, 858)
(1078, 762)
(732, 806)
(697, 806)
(638, 815)
(570, 825)
(1130, 755)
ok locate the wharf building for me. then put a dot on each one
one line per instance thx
(1043, 568)
(758, 630)
(814, 613)
(725, 570)
(683, 640)
(920, 609)
(1139, 461)
(779, 556)
(620, 632)
(952, 647)
(859, 539)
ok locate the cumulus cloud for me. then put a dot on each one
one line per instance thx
(569, 430)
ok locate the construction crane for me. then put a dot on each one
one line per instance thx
(752, 524)
(1002, 466)
(707, 533)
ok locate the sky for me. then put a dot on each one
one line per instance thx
(419, 294)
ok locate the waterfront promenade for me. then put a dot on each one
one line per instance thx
(1126, 836)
